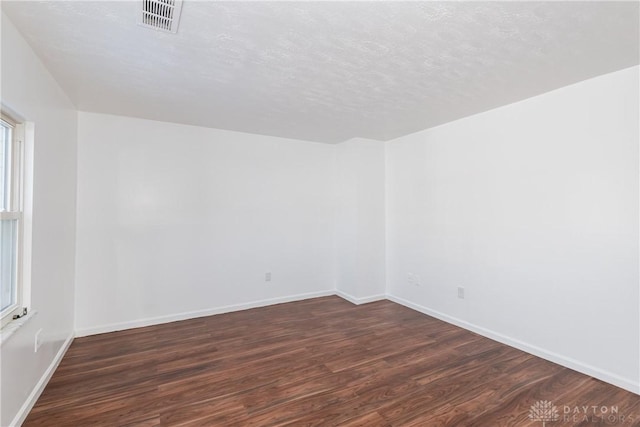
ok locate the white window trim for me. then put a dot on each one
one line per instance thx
(22, 138)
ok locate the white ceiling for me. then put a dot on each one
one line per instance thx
(324, 71)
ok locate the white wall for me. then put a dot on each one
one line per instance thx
(533, 209)
(29, 90)
(360, 220)
(176, 221)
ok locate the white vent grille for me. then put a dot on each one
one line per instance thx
(162, 15)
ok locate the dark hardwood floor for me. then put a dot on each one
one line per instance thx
(321, 362)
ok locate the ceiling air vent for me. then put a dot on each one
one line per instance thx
(162, 15)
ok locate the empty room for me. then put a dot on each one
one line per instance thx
(319, 213)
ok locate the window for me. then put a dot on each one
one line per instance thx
(11, 219)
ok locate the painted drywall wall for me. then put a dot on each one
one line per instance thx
(178, 220)
(360, 220)
(533, 209)
(30, 91)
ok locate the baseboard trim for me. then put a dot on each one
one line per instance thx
(42, 383)
(198, 313)
(358, 301)
(576, 365)
(625, 383)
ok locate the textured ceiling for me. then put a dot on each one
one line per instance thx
(324, 71)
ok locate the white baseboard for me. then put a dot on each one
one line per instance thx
(195, 314)
(576, 365)
(625, 383)
(42, 383)
(358, 301)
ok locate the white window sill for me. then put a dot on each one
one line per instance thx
(10, 328)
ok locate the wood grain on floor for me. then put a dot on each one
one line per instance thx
(319, 362)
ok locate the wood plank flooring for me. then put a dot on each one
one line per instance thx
(319, 362)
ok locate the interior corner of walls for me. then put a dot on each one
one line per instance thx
(360, 300)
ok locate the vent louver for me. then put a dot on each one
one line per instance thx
(162, 15)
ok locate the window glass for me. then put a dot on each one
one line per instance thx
(5, 166)
(8, 264)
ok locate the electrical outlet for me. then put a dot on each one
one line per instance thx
(460, 292)
(267, 276)
(37, 341)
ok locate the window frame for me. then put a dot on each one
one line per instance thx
(15, 211)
